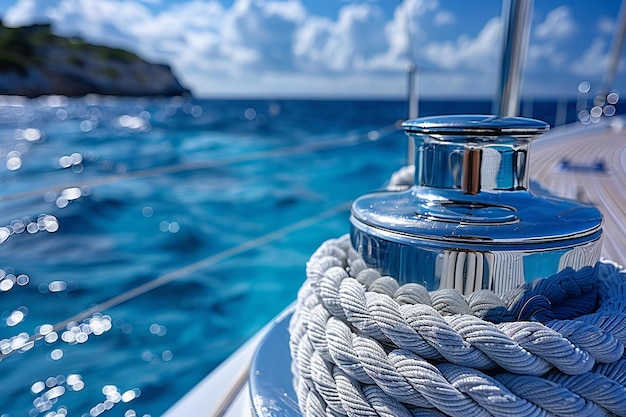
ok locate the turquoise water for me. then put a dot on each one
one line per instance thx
(144, 205)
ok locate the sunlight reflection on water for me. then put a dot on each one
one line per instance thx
(74, 242)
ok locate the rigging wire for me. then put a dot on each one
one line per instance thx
(198, 165)
(193, 267)
(211, 259)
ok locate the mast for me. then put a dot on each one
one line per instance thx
(516, 16)
(412, 96)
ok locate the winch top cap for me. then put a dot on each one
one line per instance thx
(476, 125)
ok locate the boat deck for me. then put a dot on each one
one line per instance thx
(588, 164)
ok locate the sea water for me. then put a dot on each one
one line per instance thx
(143, 240)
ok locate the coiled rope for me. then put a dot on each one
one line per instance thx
(362, 345)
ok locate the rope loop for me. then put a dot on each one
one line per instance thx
(363, 345)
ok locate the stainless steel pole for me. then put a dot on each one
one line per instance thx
(413, 110)
(516, 16)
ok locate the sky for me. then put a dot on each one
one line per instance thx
(341, 48)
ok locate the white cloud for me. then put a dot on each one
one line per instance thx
(108, 22)
(26, 12)
(594, 61)
(606, 25)
(479, 53)
(545, 55)
(261, 33)
(347, 44)
(310, 43)
(558, 24)
(444, 18)
(362, 40)
(405, 30)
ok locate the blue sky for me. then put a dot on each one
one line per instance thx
(340, 48)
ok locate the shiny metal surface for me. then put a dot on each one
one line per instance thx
(470, 220)
(270, 379)
(516, 15)
(473, 127)
(473, 152)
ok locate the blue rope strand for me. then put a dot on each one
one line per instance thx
(566, 295)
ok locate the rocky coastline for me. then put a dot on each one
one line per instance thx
(35, 62)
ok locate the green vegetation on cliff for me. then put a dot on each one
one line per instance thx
(45, 63)
(16, 50)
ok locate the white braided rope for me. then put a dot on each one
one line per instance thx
(363, 345)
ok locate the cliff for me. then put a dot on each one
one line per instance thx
(35, 62)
